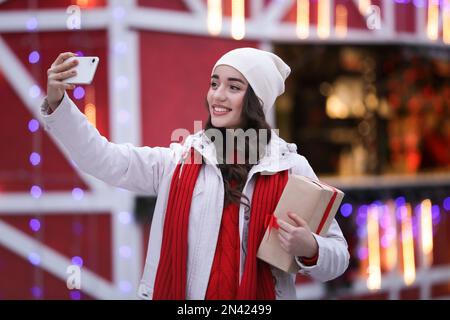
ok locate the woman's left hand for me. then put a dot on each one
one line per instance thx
(297, 239)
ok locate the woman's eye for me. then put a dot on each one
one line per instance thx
(213, 84)
(235, 88)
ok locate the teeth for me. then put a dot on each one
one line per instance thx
(219, 109)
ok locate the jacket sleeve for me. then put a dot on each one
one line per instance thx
(138, 169)
(333, 256)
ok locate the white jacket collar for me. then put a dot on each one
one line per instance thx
(279, 154)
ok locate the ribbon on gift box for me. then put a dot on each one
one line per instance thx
(271, 223)
(327, 210)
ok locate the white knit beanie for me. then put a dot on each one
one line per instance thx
(264, 71)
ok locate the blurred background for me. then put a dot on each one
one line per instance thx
(367, 103)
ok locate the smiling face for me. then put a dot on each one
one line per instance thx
(225, 97)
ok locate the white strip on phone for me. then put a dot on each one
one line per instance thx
(85, 70)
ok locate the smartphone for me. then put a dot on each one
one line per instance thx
(85, 70)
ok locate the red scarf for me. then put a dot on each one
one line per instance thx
(257, 281)
(224, 276)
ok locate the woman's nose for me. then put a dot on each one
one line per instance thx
(219, 93)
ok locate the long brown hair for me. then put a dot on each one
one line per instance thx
(252, 117)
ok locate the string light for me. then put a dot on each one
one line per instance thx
(446, 204)
(416, 221)
(361, 232)
(78, 93)
(426, 232)
(341, 21)
(85, 3)
(336, 108)
(35, 225)
(362, 253)
(363, 6)
(362, 215)
(77, 193)
(446, 21)
(400, 201)
(214, 19)
(389, 240)
(377, 232)
(36, 292)
(90, 112)
(75, 295)
(238, 19)
(34, 258)
(33, 125)
(435, 214)
(373, 242)
(77, 228)
(302, 19)
(35, 158)
(78, 261)
(346, 210)
(433, 19)
(323, 19)
(419, 3)
(409, 268)
(36, 192)
(33, 57)
(32, 24)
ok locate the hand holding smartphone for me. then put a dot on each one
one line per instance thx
(85, 70)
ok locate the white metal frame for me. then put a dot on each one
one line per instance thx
(120, 18)
(264, 25)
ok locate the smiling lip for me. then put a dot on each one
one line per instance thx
(220, 110)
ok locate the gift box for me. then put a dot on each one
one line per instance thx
(312, 200)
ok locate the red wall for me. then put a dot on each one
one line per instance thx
(70, 234)
(16, 141)
(175, 75)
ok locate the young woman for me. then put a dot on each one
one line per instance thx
(214, 199)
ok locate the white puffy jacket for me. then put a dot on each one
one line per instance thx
(148, 171)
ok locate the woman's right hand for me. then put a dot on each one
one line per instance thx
(59, 71)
